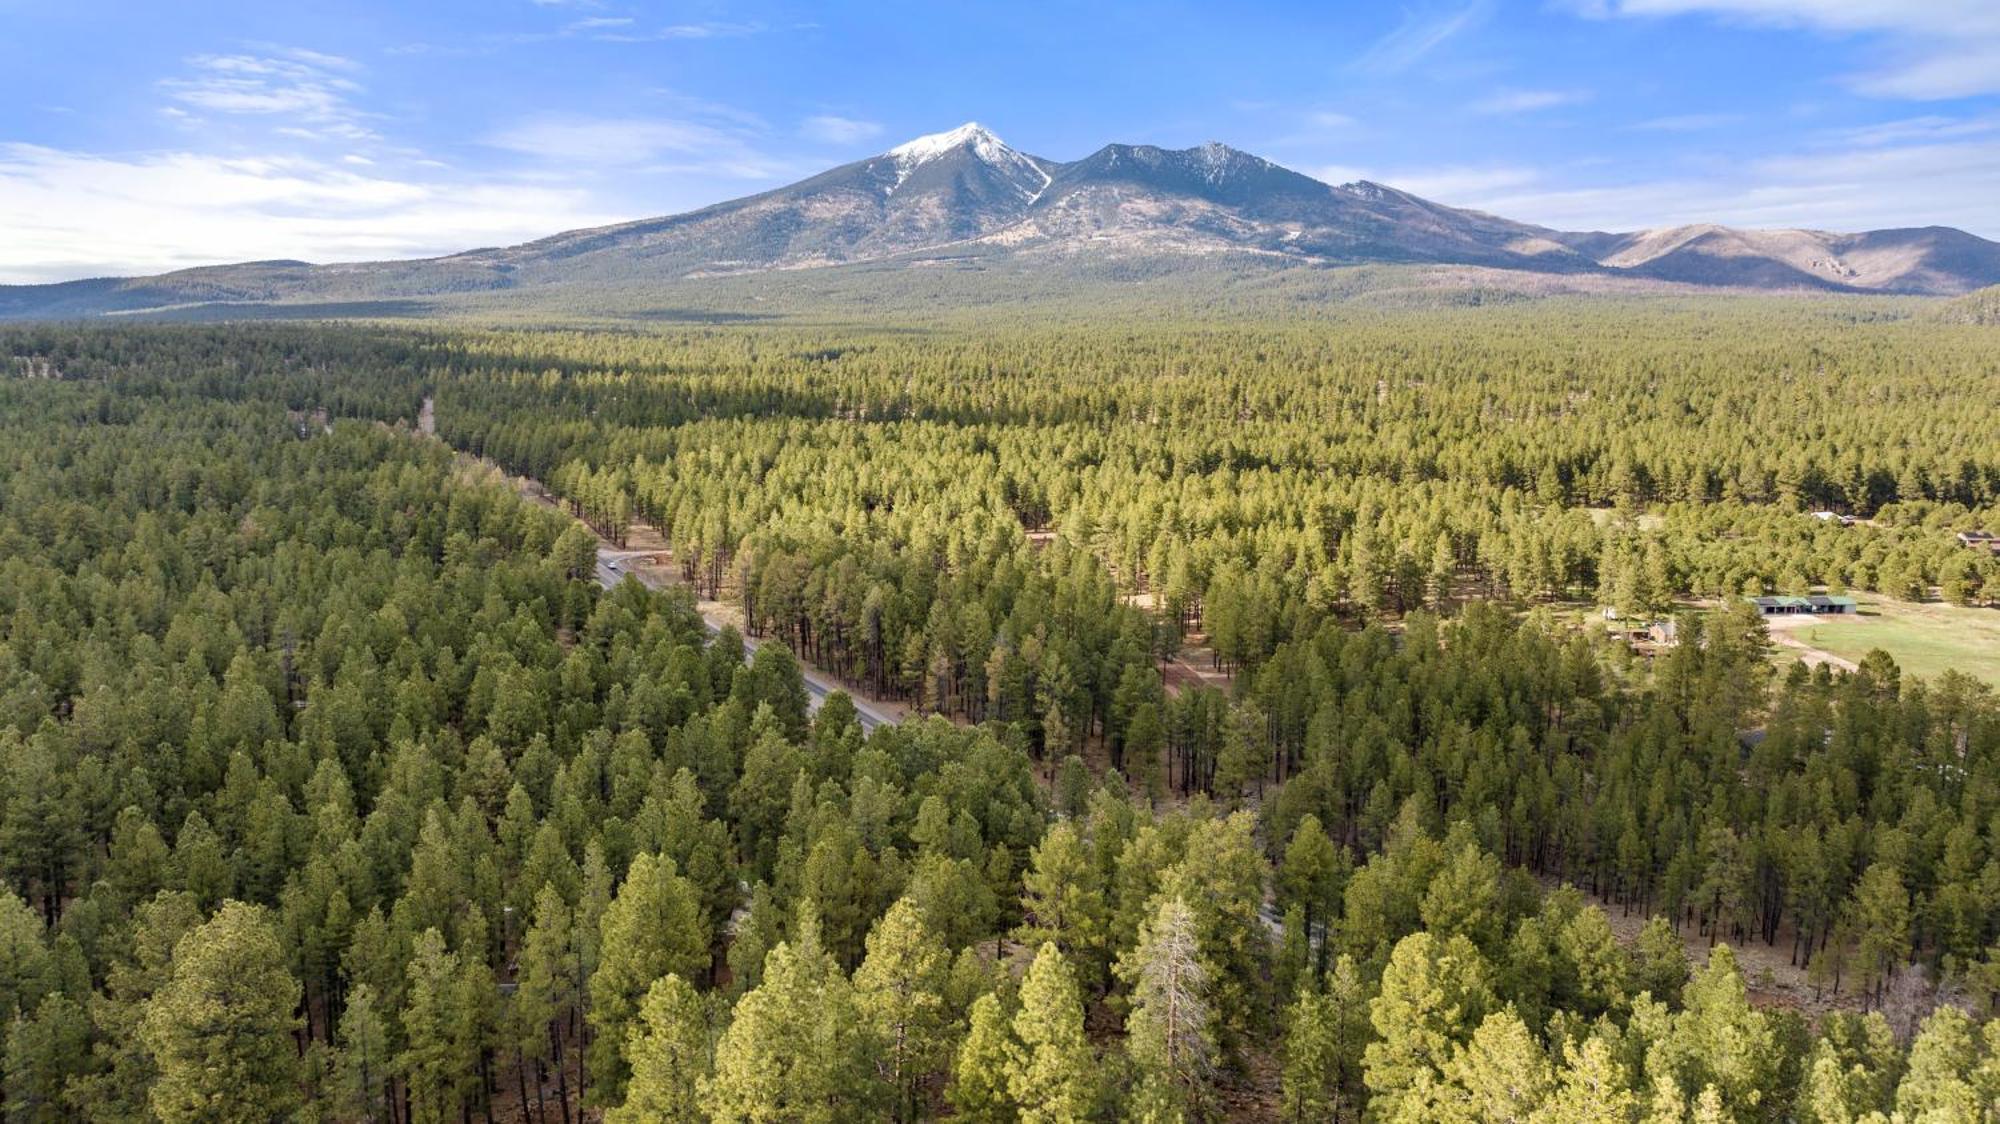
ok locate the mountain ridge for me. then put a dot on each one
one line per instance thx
(965, 192)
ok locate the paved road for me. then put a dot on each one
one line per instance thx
(611, 569)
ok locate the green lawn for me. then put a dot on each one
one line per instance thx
(1924, 639)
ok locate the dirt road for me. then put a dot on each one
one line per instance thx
(614, 566)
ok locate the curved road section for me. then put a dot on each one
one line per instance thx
(612, 568)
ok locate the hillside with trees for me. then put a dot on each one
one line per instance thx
(335, 786)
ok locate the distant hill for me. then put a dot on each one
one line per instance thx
(1981, 307)
(966, 197)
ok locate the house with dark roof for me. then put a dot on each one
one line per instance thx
(1818, 604)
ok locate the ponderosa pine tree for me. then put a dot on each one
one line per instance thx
(438, 1062)
(1433, 996)
(1312, 877)
(1719, 1041)
(979, 1092)
(1064, 903)
(1880, 915)
(1939, 1082)
(1326, 1030)
(797, 1047)
(221, 1028)
(1051, 1069)
(1145, 738)
(1501, 1076)
(1591, 1087)
(668, 1049)
(651, 928)
(45, 1050)
(546, 971)
(27, 972)
(363, 1065)
(899, 990)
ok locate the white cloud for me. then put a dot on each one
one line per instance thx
(69, 214)
(307, 90)
(1927, 129)
(1865, 189)
(1959, 70)
(1923, 171)
(710, 30)
(1688, 122)
(1507, 102)
(1451, 184)
(1421, 32)
(830, 129)
(1936, 48)
(1328, 119)
(578, 143)
(1934, 17)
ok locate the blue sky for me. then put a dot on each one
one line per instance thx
(137, 137)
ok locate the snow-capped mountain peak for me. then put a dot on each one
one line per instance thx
(933, 145)
(1027, 176)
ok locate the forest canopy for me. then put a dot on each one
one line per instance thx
(334, 784)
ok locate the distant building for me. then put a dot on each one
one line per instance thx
(1980, 540)
(1818, 604)
(1664, 634)
(1833, 517)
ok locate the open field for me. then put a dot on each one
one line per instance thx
(1925, 639)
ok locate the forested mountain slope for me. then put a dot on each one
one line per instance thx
(1982, 307)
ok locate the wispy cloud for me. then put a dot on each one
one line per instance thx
(1928, 129)
(1509, 102)
(1860, 190)
(1421, 32)
(582, 144)
(71, 214)
(1933, 49)
(831, 129)
(1688, 122)
(600, 29)
(632, 32)
(309, 92)
(1311, 130)
(1450, 184)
